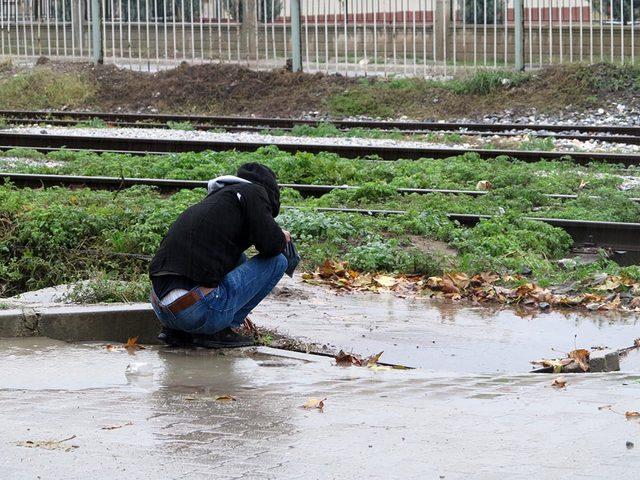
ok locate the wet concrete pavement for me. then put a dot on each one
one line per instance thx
(405, 424)
(443, 336)
(469, 410)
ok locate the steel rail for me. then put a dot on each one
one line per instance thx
(45, 143)
(292, 122)
(169, 184)
(620, 139)
(621, 236)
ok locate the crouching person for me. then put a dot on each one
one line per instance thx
(203, 284)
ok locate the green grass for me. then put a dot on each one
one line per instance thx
(386, 98)
(42, 88)
(180, 125)
(56, 235)
(92, 123)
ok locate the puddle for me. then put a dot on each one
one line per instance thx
(448, 336)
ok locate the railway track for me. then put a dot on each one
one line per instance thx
(166, 185)
(613, 134)
(623, 238)
(44, 142)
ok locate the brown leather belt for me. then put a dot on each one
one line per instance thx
(187, 300)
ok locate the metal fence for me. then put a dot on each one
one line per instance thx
(353, 37)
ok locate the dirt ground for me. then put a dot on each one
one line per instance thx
(232, 90)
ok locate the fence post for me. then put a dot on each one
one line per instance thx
(442, 23)
(518, 19)
(296, 40)
(97, 54)
(249, 28)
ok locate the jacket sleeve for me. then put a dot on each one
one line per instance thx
(264, 231)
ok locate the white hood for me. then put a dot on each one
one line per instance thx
(217, 183)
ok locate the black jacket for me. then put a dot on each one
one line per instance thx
(207, 239)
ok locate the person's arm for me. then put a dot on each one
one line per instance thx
(265, 233)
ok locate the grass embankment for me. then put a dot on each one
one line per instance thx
(231, 90)
(58, 235)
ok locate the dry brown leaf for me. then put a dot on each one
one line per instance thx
(314, 403)
(581, 357)
(225, 398)
(343, 358)
(110, 347)
(132, 344)
(632, 414)
(449, 287)
(385, 281)
(49, 444)
(115, 427)
(559, 382)
(327, 269)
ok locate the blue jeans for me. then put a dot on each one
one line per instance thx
(229, 304)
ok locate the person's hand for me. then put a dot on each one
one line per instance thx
(287, 235)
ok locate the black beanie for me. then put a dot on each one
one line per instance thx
(263, 176)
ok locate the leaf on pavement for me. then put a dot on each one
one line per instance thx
(115, 427)
(559, 382)
(132, 344)
(343, 358)
(373, 359)
(49, 444)
(581, 357)
(632, 414)
(385, 281)
(314, 403)
(225, 398)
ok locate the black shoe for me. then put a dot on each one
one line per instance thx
(226, 338)
(175, 338)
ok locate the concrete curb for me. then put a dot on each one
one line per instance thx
(74, 323)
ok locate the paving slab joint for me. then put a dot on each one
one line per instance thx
(604, 361)
(31, 320)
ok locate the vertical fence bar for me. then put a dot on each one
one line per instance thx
(622, 32)
(296, 41)
(335, 39)
(633, 27)
(484, 32)
(96, 37)
(316, 6)
(518, 34)
(570, 31)
(611, 28)
(375, 33)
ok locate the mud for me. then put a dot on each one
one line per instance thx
(231, 90)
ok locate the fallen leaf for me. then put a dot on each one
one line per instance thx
(314, 403)
(114, 427)
(49, 444)
(225, 398)
(559, 382)
(448, 286)
(581, 357)
(605, 407)
(110, 347)
(373, 359)
(632, 414)
(132, 344)
(385, 281)
(343, 358)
